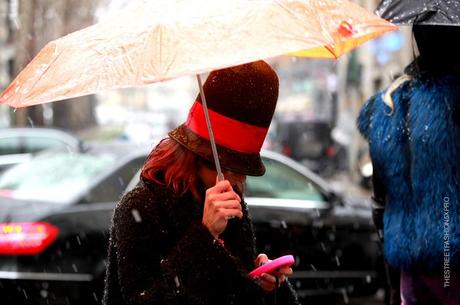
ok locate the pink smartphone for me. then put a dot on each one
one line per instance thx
(280, 262)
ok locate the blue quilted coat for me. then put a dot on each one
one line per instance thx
(416, 152)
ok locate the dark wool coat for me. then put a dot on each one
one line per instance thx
(160, 253)
(416, 156)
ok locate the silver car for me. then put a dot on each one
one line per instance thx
(19, 144)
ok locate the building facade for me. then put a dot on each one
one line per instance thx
(8, 16)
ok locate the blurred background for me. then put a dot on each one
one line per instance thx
(319, 99)
(314, 123)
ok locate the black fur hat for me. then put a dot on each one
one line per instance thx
(437, 51)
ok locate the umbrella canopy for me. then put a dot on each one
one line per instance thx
(428, 12)
(154, 41)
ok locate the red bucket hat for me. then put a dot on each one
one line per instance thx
(241, 101)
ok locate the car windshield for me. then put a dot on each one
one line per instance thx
(57, 177)
(282, 182)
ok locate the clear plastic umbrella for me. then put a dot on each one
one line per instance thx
(155, 41)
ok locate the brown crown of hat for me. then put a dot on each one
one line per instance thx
(247, 93)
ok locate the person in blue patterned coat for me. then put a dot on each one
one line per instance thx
(413, 130)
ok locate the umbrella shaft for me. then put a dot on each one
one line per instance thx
(220, 175)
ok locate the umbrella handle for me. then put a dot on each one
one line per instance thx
(220, 175)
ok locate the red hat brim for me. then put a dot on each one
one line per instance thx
(237, 162)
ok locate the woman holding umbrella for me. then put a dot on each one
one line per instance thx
(184, 237)
(413, 129)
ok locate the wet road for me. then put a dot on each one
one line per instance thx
(373, 300)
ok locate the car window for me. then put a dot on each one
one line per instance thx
(9, 146)
(134, 181)
(282, 182)
(113, 186)
(57, 177)
(36, 144)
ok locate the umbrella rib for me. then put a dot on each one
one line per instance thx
(148, 43)
(171, 63)
(160, 50)
(46, 70)
(128, 59)
(172, 60)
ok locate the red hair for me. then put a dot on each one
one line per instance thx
(173, 165)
